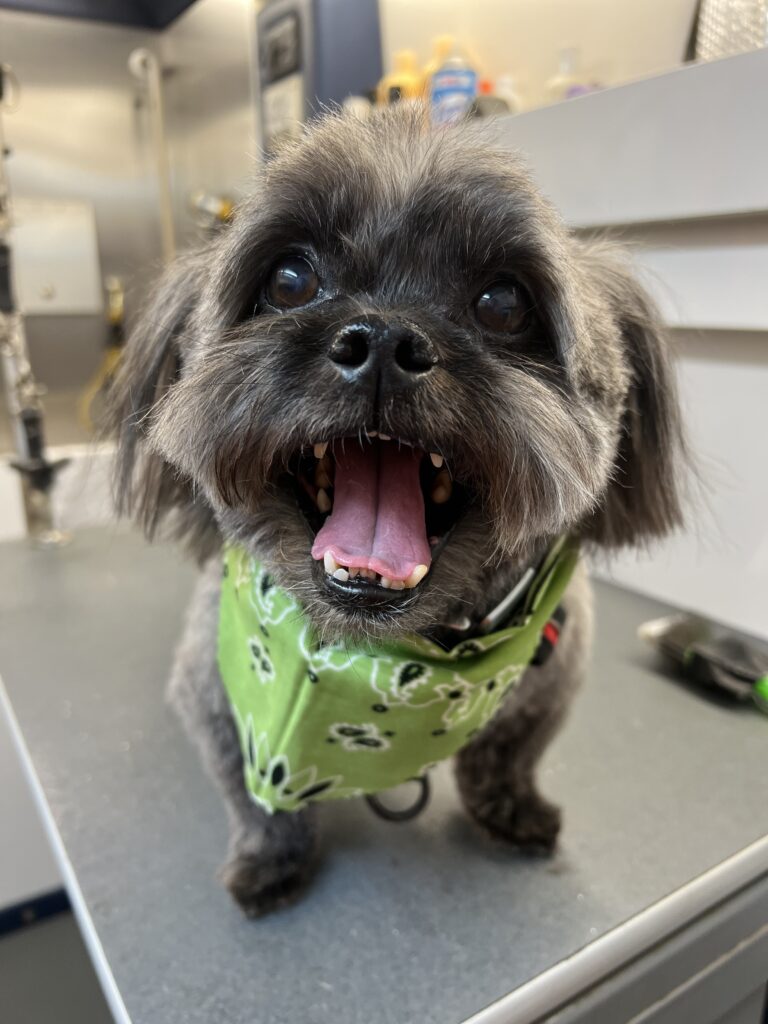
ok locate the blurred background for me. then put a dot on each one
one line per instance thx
(133, 128)
(91, 189)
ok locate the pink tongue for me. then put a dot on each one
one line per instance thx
(377, 520)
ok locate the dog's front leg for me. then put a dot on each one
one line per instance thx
(496, 771)
(269, 857)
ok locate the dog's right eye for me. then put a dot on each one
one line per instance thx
(503, 306)
(293, 282)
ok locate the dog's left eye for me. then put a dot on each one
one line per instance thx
(504, 306)
(292, 283)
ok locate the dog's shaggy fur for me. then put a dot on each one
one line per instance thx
(570, 427)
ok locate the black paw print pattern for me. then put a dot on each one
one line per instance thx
(358, 737)
(260, 657)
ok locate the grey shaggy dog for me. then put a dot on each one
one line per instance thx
(386, 279)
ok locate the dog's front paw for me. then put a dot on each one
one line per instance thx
(529, 822)
(259, 885)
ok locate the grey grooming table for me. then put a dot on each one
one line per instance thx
(654, 909)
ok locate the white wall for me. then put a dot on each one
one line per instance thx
(717, 565)
(210, 112)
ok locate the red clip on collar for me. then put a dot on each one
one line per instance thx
(550, 636)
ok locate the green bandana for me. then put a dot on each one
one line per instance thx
(319, 722)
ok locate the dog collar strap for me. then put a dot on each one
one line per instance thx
(502, 614)
(323, 721)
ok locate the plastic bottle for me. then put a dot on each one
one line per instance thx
(567, 83)
(404, 83)
(486, 103)
(452, 89)
(442, 46)
(505, 90)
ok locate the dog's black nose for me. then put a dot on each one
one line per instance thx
(372, 350)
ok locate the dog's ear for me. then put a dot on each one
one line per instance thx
(146, 486)
(643, 498)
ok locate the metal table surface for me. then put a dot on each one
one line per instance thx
(666, 812)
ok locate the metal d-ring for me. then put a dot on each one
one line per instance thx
(389, 814)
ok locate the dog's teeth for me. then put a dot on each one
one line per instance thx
(330, 563)
(324, 502)
(322, 479)
(367, 574)
(441, 491)
(416, 576)
(320, 449)
(386, 582)
(385, 437)
(396, 585)
(437, 460)
(372, 433)
(341, 575)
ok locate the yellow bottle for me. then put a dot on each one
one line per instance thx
(442, 46)
(404, 83)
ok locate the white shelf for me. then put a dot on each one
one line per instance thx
(709, 287)
(688, 144)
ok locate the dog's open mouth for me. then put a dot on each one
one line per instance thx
(381, 509)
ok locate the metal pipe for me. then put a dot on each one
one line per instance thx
(144, 64)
